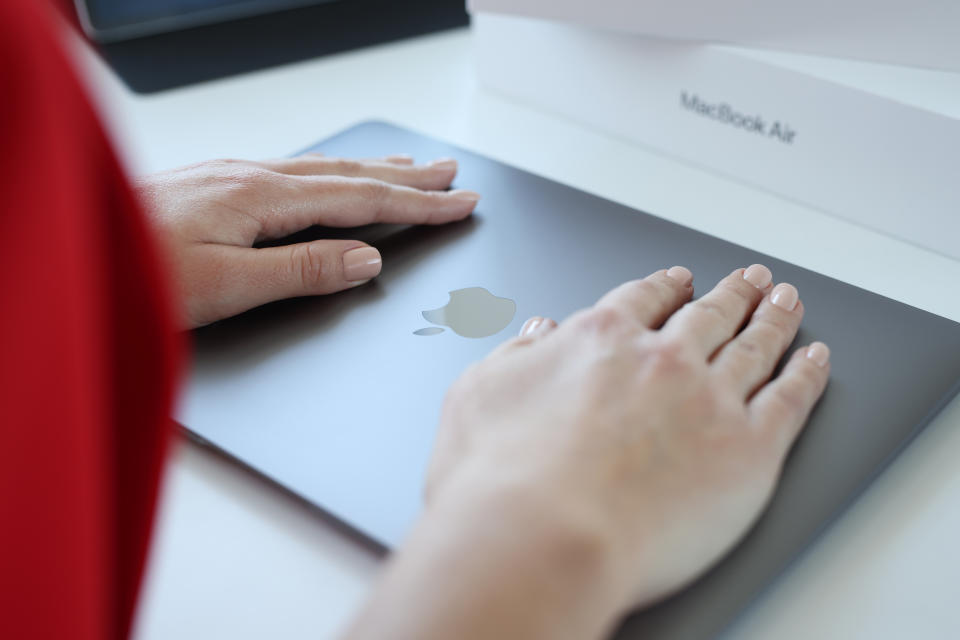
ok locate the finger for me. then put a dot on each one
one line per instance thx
(537, 326)
(713, 319)
(400, 158)
(783, 406)
(532, 330)
(335, 201)
(253, 277)
(749, 359)
(434, 176)
(396, 158)
(652, 300)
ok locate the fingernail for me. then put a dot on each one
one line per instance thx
(819, 353)
(680, 274)
(463, 194)
(445, 164)
(785, 296)
(531, 325)
(361, 264)
(400, 158)
(758, 275)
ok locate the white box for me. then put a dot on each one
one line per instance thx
(867, 158)
(923, 33)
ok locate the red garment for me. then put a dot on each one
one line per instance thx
(88, 354)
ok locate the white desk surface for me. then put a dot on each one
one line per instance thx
(236, 558)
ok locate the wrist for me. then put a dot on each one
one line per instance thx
(493, 559)
(563, 563)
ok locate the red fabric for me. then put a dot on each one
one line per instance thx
(88, 354)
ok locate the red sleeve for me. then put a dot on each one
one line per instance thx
(87, 354)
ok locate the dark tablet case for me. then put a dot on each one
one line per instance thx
(153, 63)
(337, 400)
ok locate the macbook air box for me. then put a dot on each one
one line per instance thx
(910, 32)
(878, 145)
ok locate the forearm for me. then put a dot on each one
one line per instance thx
(465, 573)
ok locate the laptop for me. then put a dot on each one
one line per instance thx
(337, 398)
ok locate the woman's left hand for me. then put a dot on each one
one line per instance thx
(210, 215)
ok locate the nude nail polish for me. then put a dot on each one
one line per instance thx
(785, 296)
(758, 275)
(819, 353)
(361, 264)
(464, 194)
(680, 274)
(531, 325)
(445, 164)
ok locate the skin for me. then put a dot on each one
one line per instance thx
(581, 470)
(211, 214)
(600, 465)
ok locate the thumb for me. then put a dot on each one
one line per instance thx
(305, 269)
(316, 268)
(224, 280)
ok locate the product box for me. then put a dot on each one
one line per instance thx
(923, 33)
(871, 159)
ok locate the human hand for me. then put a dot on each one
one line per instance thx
(659, 447)
(210, 215)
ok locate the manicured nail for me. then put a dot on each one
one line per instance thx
(680, 274)
(446, 164)
(758, 275)
(785, 296)
(819, 353)
(463, 194)
(361, 264)
(531, 325)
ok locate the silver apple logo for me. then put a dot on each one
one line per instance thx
(471, 313)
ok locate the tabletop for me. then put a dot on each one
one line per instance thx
(235, 557)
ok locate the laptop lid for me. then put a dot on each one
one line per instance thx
(337, 398)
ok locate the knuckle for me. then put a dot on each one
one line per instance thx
(793, 396)
(244, 181)
(347, 167)
(643, 288)
(371, 189)
(713, 310)
(601, 319)
(221, 163)
(749, 346)
(667, 358)
(740, 288)
(307, 264)
(766, 336)
(776, 318)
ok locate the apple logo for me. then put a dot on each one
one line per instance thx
(471, 313)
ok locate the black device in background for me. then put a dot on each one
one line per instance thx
(161, 44)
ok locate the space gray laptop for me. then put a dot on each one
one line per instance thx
(337, 398)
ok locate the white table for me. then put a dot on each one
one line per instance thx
(236, 558)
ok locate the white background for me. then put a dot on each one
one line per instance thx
(235, 558)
